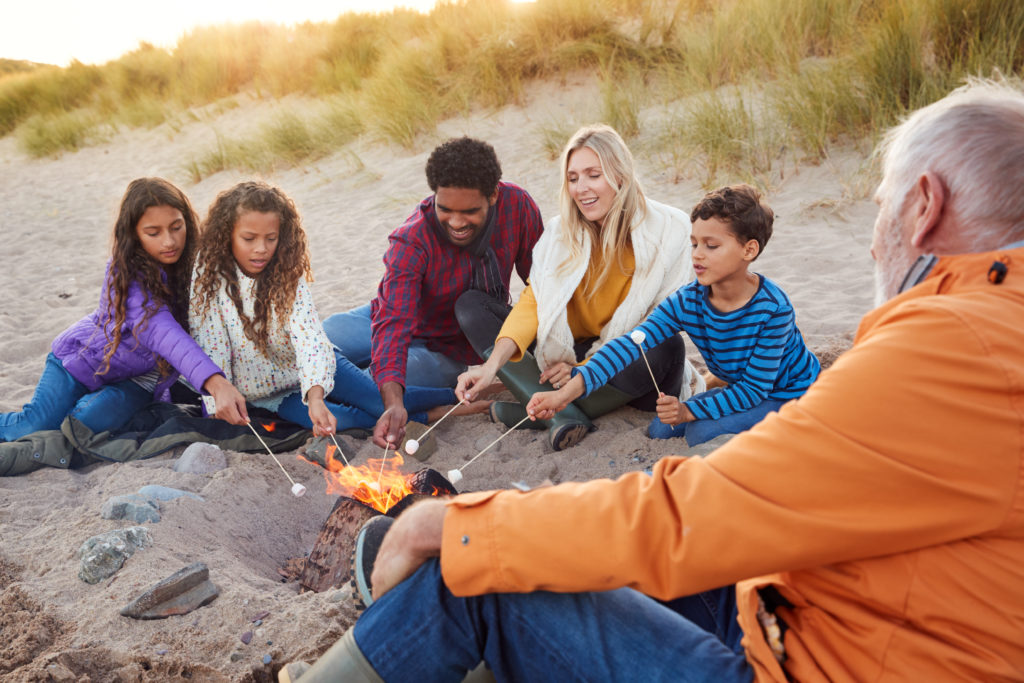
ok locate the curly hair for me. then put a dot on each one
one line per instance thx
(129, 263)
(277, 284)
(464, 162)
(741, 207)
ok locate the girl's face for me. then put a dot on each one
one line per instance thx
(254, 241)
(588, 185)
(718, 255)
(161, 232)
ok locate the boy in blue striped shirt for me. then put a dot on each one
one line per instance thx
(741, 322)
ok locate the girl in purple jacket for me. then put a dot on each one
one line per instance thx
(114, 361)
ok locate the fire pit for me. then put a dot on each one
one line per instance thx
(360, 498)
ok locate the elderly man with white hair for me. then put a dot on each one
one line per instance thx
(871, 530)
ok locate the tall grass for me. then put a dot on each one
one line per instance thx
(825, 69)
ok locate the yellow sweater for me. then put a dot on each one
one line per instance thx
(587, 313)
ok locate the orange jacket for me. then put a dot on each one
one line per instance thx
(887, 504)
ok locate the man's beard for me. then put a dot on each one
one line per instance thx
(892, 264)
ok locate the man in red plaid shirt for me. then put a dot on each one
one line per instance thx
(466, 236)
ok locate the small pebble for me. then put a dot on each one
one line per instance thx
(258, 622)
(611, 463)
(270, 642)
(236, 656)
(261, 615)
(267, 659)
(247, 637)
(161, 652)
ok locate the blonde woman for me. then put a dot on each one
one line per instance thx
(598, 270)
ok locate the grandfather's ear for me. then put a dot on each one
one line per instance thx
(928, 205)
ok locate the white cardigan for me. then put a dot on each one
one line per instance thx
(661, 248)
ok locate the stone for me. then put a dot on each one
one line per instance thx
(246, 637)
(237, 656)
(180, 593)
(102, 555)
(201, 458)
(164, 493)
(133, 507)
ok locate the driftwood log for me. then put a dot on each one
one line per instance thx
(329, 564)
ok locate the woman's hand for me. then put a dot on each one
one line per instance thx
(544, 404)
(323, 420)
(557, 374)
(473, 381)
(228, 400)
(672, 411)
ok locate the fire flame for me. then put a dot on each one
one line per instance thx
(269, 426)
(360, 481)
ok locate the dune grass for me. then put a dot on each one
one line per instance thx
(818, 71)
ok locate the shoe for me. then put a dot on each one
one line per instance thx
(368, 541)
(566, 435)
(511, 413)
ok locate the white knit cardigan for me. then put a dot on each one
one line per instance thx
(661, 247)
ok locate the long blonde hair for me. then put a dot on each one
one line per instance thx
(612, 237)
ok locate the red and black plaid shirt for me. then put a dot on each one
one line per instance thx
(424, 275)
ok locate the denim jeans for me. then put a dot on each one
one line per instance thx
(699, 431)
(350, 333)
(419, 631)
(59, 395)
(355, 401)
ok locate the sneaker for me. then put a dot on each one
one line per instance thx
(368, 541)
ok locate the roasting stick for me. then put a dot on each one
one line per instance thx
(297, 488)
(455, 476)
(638, 338)
(413, 445)
(380, 476)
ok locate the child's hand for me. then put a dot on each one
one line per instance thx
(672, 412)
(229, 402)
(322, 418)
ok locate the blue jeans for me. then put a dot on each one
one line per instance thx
(355, 401)
(59, 395)
(419, 631)
(699, 431)
(350, 332)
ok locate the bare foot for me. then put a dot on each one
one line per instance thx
(474, 408)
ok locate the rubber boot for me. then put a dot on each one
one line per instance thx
(603, 400)
(344, 661)
(522, 378)
(511, 413)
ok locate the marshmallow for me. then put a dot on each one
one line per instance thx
(638, 337)
(298, 489)
(454, 476)
(411, 446)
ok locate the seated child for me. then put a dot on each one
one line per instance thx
(252, 312)
(128, 352)
(741, 322)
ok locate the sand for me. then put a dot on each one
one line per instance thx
(57, 215)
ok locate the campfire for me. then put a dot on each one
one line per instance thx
(376, 488)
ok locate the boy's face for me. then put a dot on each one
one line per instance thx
(717, 253)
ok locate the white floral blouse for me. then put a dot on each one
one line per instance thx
(300, 355)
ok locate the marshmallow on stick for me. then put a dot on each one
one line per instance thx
(297, 488)
(455, 476)
(639, 338)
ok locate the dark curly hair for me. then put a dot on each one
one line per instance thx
(162, 284)
(464, 162)
(741, 207)
(277, 284)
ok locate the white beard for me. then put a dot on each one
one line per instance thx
(892, 263)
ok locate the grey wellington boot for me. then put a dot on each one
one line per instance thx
(344, 661)
(522, 378)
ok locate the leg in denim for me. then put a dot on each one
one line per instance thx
(55, 396)
(109, 408)
(419, 631)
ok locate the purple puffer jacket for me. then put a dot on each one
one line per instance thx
(81, 347)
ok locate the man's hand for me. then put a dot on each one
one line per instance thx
(474, 381)
(228, 400)
(390, 428)
(672, 412)
(323, 420)
(557, 374)
(414, 538)
(544, 404)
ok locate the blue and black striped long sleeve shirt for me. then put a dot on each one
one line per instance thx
(757, 348)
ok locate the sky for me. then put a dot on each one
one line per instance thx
(96, 31)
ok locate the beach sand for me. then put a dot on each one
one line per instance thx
(57, 217)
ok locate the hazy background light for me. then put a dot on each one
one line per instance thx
(94, 32)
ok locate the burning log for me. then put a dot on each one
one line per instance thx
(329, 563)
